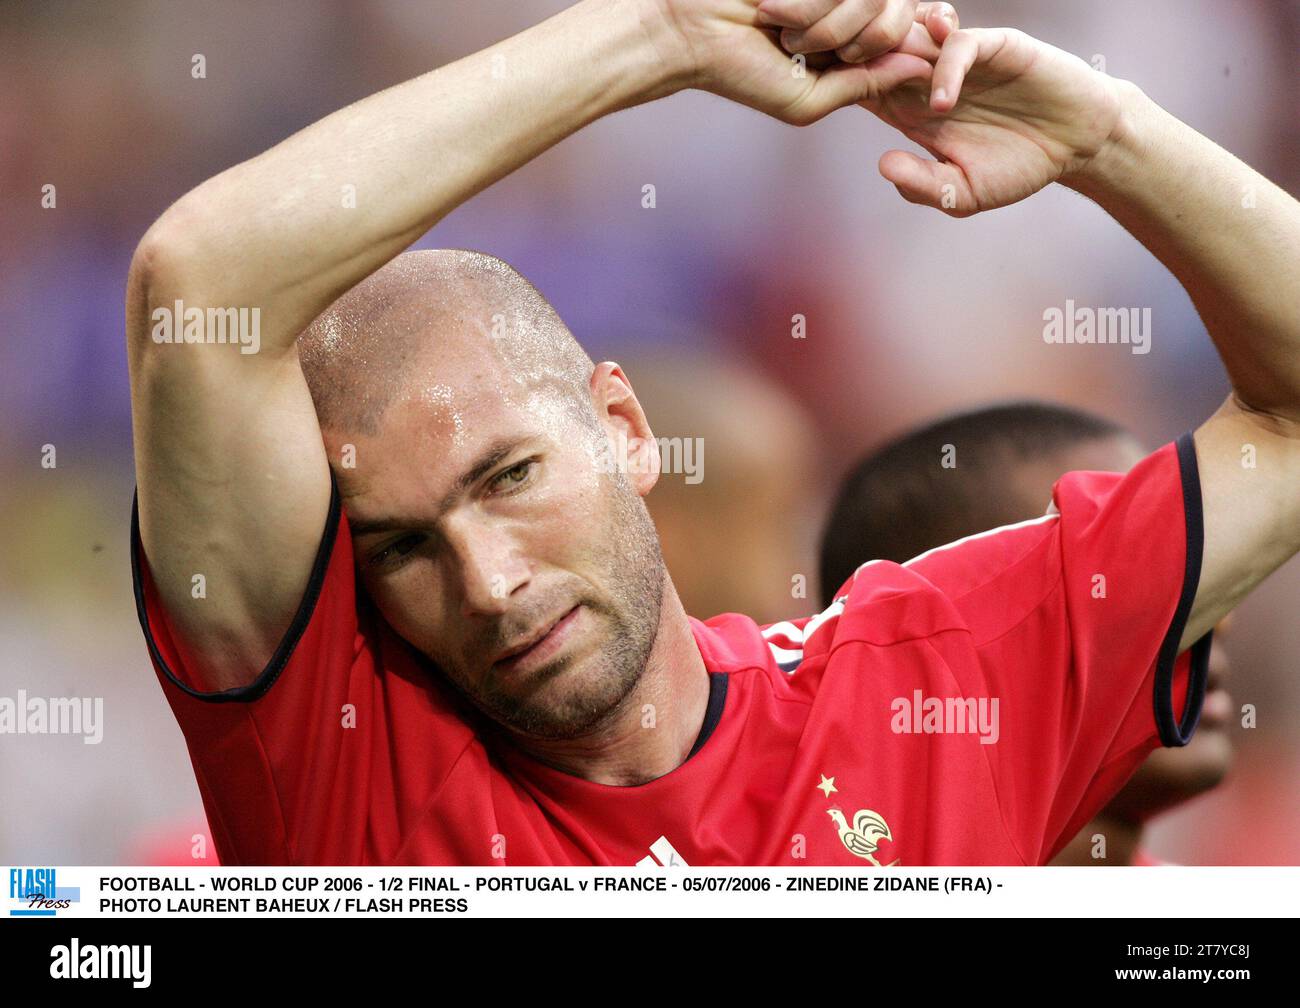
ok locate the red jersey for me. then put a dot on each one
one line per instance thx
(976, 705)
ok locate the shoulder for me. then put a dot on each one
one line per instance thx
(883, 604)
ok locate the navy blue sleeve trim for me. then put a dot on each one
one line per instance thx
(1174, 733)
(267, 677)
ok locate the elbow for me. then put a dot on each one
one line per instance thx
(168, 265)
(168, 261)
(160, 260)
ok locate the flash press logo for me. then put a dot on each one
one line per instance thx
(35, 892)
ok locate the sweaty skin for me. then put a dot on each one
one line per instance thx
(447, 364)
(511, 523)
(487, 459)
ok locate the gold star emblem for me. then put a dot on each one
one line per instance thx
(827, 785)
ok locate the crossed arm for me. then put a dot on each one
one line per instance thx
(1008, 115)
(230, 463)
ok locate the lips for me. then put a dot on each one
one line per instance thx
(536, 643)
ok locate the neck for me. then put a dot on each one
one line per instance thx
(653, 730)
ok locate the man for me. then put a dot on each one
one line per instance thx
(404, 596)
(988, 468)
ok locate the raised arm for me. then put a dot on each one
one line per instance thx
(1007, 115)
(1232, 238)
(232, 479)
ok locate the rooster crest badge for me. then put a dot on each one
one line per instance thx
(863, 836)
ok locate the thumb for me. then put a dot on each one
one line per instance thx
(938, 184)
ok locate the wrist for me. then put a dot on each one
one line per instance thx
(1120, 154)
(665, 59)
(598, 57)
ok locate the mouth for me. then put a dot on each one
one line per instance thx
(539, 648)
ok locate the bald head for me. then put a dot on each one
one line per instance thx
(407, 329)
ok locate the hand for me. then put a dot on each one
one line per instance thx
(734, 52)
(857, 30)
(1005, 115)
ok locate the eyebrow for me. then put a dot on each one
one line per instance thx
(492, 456)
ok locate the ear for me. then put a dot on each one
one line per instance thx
(636, 452)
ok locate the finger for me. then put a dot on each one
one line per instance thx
(835, 29)
(934, 23)
(917, 42)
(889, 70)
(794, 13)
(886, 32)
(960, 51)
(941, 185)
(847, 84)
(940, 20)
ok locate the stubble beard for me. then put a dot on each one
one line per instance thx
(561, 702)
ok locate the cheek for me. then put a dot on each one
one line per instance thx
(585, 469)
(578, 505)
(409, 601)
(570, 485)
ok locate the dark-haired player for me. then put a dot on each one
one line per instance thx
(992, 467)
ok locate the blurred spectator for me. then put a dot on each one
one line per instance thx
(737, 532)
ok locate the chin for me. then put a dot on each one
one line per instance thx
(565, 700)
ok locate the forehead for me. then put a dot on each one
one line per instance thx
(440, 421)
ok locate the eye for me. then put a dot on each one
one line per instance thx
(397, 549)
(516, 476)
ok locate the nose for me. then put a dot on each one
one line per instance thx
(491, 567)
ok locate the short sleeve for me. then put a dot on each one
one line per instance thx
(1071, 623)
(327, 757)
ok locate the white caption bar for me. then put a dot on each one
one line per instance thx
(52, 891)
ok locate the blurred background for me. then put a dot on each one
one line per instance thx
(908, 315)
